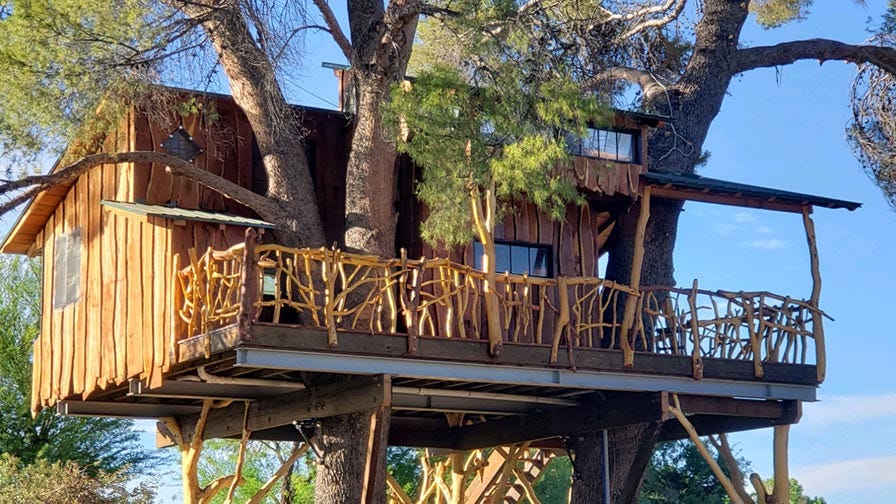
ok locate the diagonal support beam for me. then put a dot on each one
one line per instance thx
(347, 396)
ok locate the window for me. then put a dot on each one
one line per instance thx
(518, 258)
(66, 269)
(605, 144)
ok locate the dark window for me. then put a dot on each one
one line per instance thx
(66, 269)
(619, 146)
(518, 258)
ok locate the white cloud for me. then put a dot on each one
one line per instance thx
(849, 410)
(767, 244)
(863, 473)
(764, 230)
(744, 217)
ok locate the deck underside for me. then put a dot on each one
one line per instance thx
(517, 397)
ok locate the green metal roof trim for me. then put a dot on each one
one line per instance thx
(696, 182)
(175, 213)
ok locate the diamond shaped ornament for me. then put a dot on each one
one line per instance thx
(179, 143)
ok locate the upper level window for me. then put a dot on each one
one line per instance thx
(518, 258)
(607, 144)
(66, 268)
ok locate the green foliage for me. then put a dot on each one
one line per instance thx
(95, 444)
(62, 61)
(678, 474)
(774, 13)
(404, 465)
(509, 134)
(262, 460)
(554, 484)
(45, 482)
(797, 495)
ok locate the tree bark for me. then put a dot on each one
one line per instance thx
(255, 89)
(341, 469)
(588, 463)
(370, 216)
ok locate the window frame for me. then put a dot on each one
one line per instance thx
(577, 145)
(529, 246)
(67, 250)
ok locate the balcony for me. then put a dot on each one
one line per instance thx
(352, 311)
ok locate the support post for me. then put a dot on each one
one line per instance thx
(249, 291)
(817, 323)
(377, 441)
(635, 281)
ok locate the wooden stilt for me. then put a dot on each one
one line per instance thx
(631, 303)
(817, 322)
(373, 490)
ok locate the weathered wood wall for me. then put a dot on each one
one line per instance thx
(111, 332)
(121, 326)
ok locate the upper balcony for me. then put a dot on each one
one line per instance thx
(326, 310)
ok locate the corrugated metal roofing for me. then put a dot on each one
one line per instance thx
(698, 183)
(176, 213)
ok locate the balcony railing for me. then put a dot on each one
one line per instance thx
(437, 298)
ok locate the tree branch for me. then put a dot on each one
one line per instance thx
(672, 15)
(335, 30)
(32, 185)
(648, 83)
(817, 49)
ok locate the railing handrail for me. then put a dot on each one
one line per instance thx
(442, 298)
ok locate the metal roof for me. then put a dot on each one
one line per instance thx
(728, 188)
(175, 213)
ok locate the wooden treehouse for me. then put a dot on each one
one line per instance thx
(159, 293)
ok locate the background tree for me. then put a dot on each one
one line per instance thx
(95, 445)
(63, 482)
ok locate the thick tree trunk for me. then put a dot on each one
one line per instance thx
(370, 216)
(343, 441)
(628, 461)
(253, 83)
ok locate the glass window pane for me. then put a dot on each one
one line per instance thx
(477, 255)
(591, 143)
(625, 146)
(502, 258)
(608, 147)
(519, 259)
(538, 261)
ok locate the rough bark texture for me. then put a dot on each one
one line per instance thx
(587, 450)
(254, 86)
(693, 102)
(340, 472)
(370, 176)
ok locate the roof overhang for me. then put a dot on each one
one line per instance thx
(144, 211)
(23, 234)
(709, 190)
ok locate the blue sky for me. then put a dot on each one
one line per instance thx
(785, 129)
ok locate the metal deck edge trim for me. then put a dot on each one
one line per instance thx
(513, 375)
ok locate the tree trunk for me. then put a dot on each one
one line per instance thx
(341, 469)
(253, 83)
(370, 216)
(588, 464)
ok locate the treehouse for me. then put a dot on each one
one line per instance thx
(158, 293)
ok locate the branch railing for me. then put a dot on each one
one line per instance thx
(438, 298)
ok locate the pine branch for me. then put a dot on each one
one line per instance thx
(817, 49)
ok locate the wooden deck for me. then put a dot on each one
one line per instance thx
(251, 322)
